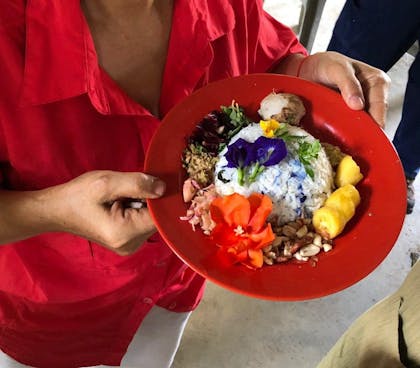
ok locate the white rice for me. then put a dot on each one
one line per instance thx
(293, 192)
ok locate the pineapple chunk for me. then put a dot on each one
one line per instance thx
(328, 222)
(351, 192)
(342, 203)
(348, 172)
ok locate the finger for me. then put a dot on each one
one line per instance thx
(345, 78)
(126, 226)
(376, 88)
(121, 185)
(378, 111)
(141, 219)
(134, 221)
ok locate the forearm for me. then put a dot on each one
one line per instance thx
(25, 214)
(289, 65)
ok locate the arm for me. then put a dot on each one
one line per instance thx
(290, 64)
(24, 214)
(91, 206)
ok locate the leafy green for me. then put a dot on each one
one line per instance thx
(237, 117)
(304, 157)
(236, 114)
(308, 152)
(284, 134)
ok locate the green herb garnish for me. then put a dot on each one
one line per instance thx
(308, 152)
(238, 120)
(284, 134)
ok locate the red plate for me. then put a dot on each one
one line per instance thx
(368, 237)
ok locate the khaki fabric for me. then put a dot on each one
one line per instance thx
(373, 339)
(410, 314)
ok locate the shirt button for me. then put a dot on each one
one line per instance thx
(172, 306)
(147, 300)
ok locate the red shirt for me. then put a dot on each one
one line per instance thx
(64, 301)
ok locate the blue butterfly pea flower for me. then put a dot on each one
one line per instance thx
(239, 154)
(268, 151)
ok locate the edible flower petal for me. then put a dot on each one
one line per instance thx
(241, 228)
(269, 127)
(261, 207)
(233, 210)
(255, 258)
(269, 151)
(238, 154)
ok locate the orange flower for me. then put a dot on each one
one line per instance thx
(241, 229)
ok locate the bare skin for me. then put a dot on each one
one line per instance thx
(131, 39)
(91, 206)
(361, 86)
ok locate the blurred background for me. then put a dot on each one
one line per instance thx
(233, 331)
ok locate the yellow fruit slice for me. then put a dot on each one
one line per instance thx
(342, 203)
(339, 208)
(328, 222)
(348, 172)
(351, 192)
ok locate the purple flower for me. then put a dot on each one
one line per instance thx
(239, 154)
(268, 151)
(250, 159)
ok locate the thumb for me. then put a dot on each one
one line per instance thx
(120, 185)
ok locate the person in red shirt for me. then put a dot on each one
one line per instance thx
(84, 85)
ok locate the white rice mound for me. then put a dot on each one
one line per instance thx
(293, 192)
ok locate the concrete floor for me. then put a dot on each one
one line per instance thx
(230, 330)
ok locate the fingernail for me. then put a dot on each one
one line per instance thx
(357, 102)
(159, 187)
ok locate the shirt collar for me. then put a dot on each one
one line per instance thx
(61, 61)
(56, 53)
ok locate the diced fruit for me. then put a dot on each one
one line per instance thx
(342, 203)
(350, 191)
(328, 222)
(348, 172)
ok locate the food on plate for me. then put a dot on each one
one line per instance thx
(339, 208)
(334, 154)
(241, 229)
(350, 191)
(200, 199)
(329, 222)
(198, 163)
(348, 172)
(295, 188)
(264, 191)
(340, 200)
(283, 107)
